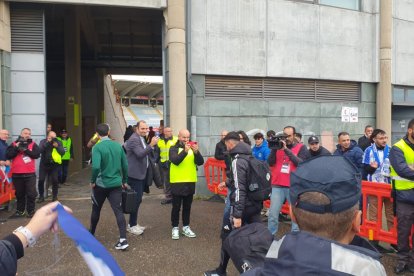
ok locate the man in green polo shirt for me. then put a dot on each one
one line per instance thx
(109, 173)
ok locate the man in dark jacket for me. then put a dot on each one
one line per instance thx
(185, 157)
(365, 140)
(324, 203)
(23, 153)
(349, 148)
(402, 173)
(51, 150)
(243, 210)
(315, 149)
(4, 135)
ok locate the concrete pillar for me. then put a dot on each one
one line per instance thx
(73, 96)
(100, 95)
(384, 88)
(175, 42)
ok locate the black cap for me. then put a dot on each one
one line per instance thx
(313, 139)
(334, 176)
(63, 131)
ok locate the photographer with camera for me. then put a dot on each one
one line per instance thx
(285, 156)
(52, 150)
(23, 153)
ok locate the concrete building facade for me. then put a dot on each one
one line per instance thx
(239, 65)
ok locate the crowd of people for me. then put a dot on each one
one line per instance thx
(323, 188)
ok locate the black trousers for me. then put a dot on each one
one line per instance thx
(52, 173)
(405, 219)
(176, 206)
(114, 195)
(25, 192)
(251, 214)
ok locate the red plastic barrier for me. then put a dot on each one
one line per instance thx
(372, 229)
(215, 172)
(7, 192)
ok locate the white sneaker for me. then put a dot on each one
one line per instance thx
(188, 232)
(138, 226)
(135, 230)
(175, 235)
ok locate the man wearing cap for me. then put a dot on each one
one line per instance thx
(243, 209)
(284, 161)
(315, 149)
(324, 203)
(402, 174)
(67, 146)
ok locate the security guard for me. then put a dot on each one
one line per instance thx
(164, 144)
(67, 145)
(402, 174)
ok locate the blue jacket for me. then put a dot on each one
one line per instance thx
(3, 148)
(354, 153)
(302, 253)
(262, 152)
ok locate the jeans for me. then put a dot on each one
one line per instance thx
(138, 186)
(63, 171)
(278, 197)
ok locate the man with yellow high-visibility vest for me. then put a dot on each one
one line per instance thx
(402, 174)
(166, 141)
(185, 157)
(67, 146)
(51, 151)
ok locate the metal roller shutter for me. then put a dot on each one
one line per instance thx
(26, 30)
(225, 87)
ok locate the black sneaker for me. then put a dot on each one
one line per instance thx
(215, 272)
(18, 214)
(30, 214)
(121, 245)
(166, 201)
(40, 199)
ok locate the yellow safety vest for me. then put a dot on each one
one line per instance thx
(57, 158)
(67, 144)
(186, 171)
(165, 148)
(399, 182)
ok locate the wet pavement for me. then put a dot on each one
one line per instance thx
(153, 253)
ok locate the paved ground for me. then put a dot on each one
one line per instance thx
(153, 253)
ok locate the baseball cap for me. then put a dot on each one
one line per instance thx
(63, 131)
(334, 176)
(313, 139)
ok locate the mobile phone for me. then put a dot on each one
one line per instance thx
(192, 143)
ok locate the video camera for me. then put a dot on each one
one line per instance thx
(23, 143)
(275, 141)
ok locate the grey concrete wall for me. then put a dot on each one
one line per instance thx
(309, 118)
(153, 4)
(28, 94)
(403, 51)
(284, 39)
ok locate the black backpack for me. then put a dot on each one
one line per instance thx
(259, 188)
(247, 246)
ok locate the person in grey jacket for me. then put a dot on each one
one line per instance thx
(139, 168)
(12, 246)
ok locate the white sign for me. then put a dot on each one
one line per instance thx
(349, 114)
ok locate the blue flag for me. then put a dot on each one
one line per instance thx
(99, 260)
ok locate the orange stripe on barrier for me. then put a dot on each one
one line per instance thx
(371, 228)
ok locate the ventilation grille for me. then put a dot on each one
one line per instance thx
(26, 30)
(281, 89)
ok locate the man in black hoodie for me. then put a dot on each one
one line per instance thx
(243, 210)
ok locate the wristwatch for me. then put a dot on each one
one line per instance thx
(31, 240)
